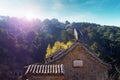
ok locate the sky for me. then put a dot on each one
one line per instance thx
(104, 12)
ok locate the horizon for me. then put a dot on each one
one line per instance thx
(104, 12)
(31, 20)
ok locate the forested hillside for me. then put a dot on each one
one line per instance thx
(24, 42)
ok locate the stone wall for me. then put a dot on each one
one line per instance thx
(47, 77)
(91, 69)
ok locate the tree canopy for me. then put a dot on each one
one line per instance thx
(57, 45)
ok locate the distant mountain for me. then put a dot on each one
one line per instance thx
(24, 42)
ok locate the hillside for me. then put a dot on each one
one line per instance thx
(24, 42)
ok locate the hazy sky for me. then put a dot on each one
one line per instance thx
(105, 12)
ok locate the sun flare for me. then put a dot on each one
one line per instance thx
(30, 16)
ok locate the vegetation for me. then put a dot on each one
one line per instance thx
(57, 45)
(25, 42)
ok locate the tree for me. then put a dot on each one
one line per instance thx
(57, 45)
(48, 51)
(63, 46)
(69, 43)
(95, 48)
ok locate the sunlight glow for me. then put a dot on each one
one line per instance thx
(29, 16)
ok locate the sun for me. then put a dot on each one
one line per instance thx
(30, 16)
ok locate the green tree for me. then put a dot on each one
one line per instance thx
(95, 47)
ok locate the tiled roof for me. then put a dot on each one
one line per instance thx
(45, 69)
